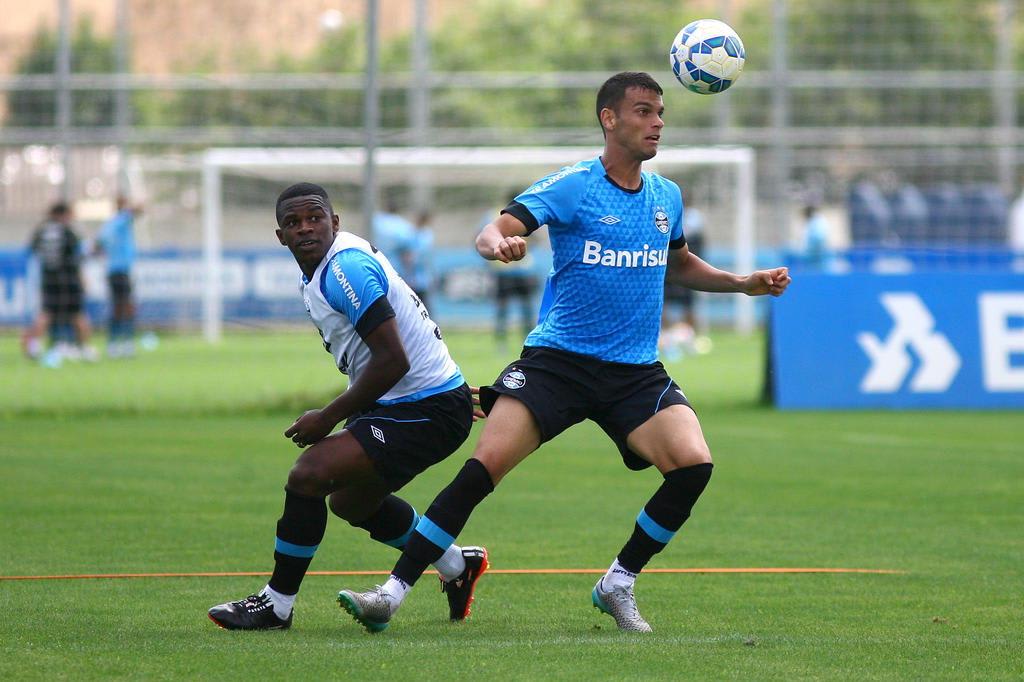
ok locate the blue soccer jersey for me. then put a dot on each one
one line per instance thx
(118, 240)
(610, 247)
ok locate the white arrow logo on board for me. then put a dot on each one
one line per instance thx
(890, 361)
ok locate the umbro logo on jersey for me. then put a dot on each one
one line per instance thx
(377, 433)
(609, 220)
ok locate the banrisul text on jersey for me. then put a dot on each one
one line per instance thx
(594, 253)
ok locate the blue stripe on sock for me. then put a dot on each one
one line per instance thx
(301, 551)
(434, 533)
(652, 528)
(399, 543)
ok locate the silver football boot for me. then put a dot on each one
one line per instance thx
(620, 604)
(371, 609)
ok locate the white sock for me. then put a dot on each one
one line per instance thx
(451, 564)
(617, 576)
(396, 588)
(282, 602)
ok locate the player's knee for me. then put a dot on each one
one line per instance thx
(306, 478)
(343, 506)
(680, 457)
(702, 454)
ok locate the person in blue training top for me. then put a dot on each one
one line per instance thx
(814, 246)
(393, 234)
(117, 240)
(406, 408)
(593, 355)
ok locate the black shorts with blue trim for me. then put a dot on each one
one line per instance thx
(561, 388)
(404, 439)
(120, 284)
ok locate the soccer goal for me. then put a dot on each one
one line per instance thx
(463, 184)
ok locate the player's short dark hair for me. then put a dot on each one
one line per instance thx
(59, 208)
(614, 89)
(300, 189)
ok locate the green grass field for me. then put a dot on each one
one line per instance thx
(175, 462)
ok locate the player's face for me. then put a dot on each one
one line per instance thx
(638, 122)
(307, 226)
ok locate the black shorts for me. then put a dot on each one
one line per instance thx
(120, 287)
(404, 439)
(562, 388)
(515, 286)
(679, 294)
(62, 298)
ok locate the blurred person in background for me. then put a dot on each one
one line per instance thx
(1015, 233)
(813, 247)
(679, 317)
(393, 234)
(515, 283)
(416, 259)
(406, 408)
(117, 241)
(58, 248)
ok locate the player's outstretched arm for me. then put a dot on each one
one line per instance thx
(388, 364)
(696, 273)
(503, 239)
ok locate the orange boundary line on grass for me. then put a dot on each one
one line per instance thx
(499, 571)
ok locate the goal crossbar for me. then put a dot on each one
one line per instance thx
(447, 165)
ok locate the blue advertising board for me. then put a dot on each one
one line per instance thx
(930, 340)
(259, 286)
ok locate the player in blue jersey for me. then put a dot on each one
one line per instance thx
(117, 240)
(406, 408)
(593, 355)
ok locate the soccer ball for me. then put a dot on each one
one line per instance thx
(707, 56)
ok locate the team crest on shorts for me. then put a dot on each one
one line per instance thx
(661, 221)
(514, 379)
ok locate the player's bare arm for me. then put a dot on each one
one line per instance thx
(503, 239)
(698, 274)
(388, 364)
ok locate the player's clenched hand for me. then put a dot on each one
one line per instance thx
(478, 413)
(762, 282)
(308, 429)
(510, 249)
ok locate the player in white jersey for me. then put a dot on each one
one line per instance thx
(594, 353)
(406, 408)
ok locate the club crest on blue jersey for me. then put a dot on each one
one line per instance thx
(661, 221)
(514, 379)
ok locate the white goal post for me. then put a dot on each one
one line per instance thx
(448, 166)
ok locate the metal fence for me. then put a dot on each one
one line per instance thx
(845, 101)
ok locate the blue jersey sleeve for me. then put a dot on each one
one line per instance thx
(352, 282)
(554, 199)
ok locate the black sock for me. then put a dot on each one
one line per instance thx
(299, 532)
(444, 520)
(392, 523)
(664, 514)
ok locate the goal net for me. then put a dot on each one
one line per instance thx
(244, 278)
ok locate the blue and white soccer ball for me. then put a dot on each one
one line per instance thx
(707, 56)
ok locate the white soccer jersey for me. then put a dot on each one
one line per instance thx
(350, 278)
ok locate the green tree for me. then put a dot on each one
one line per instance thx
(90, 53)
